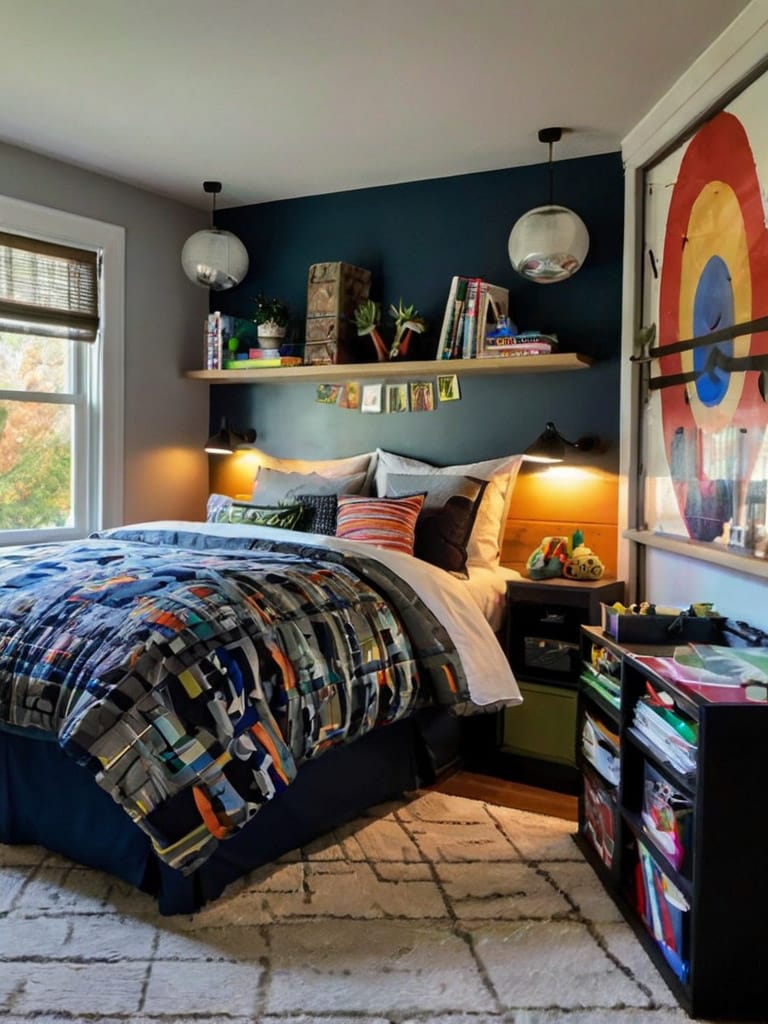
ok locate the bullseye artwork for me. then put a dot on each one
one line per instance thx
(709, 285)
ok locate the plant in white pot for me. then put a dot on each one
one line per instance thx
(271, 319)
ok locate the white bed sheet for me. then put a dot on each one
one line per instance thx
(458, 604)
(488, 588)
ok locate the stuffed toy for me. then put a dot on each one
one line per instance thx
(548, 559)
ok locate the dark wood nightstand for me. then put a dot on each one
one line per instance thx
(543, 621)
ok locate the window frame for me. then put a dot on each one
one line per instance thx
(101, 431)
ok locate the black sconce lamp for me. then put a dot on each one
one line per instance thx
(225, 441)
(550, 445)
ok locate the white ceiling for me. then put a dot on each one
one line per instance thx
(285, 98)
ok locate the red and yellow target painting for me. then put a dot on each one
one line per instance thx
(714, 275)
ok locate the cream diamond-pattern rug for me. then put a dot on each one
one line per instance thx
(432, 909)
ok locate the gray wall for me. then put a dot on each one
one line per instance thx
(166, 416)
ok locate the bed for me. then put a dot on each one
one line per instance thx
(181, 702)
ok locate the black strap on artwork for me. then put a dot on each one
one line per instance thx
(716, 360)
(724, 334)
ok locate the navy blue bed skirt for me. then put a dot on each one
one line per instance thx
(47, 799)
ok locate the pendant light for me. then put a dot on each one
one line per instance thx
(214, 258)
(548, 243)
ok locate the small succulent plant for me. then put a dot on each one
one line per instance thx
(407, 322)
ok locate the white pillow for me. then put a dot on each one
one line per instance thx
(365, 463)
(484, 545)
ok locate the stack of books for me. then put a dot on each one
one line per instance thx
(529, 343)
(474, 308)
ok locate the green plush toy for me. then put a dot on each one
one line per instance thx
(548, 559)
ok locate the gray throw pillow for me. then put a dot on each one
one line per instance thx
(273, 487)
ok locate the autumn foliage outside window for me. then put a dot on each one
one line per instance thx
(48, 322)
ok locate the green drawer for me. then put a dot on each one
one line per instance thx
(543, 726)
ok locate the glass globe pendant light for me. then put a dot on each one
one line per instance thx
(549, 243)
(214, 258)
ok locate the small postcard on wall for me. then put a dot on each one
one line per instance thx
(371, 398)
(448, 389)
(328, 394)
(397, 397)
(422, 396)
(350, 395)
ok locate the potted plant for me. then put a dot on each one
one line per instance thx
(271, 319)
(407, 322)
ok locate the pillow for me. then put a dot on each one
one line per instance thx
(273, 487)
(216, 502)
(386, 522)
(319, 513)
(365, 463)
(447, 517)
(286, 517)
(484, 546)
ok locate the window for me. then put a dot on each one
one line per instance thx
(61, 288)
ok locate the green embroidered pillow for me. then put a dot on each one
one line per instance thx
(285, 517)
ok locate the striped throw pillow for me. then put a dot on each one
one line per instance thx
(386, 522)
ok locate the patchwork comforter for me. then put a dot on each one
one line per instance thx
(193, 678)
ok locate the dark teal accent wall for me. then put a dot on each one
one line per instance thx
(414, 238)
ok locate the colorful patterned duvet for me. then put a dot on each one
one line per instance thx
(193, 683)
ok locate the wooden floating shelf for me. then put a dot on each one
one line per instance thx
(339, 372)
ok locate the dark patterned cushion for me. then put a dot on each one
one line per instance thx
(446, 520)
(320, 513)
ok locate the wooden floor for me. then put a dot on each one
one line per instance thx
(509, 794)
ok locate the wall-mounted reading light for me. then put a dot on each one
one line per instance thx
(549, 243)
(225, 441)
(214, 258)
(550, 445)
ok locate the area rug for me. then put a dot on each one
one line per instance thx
(432, 909)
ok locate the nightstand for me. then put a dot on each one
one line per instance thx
(543, 621)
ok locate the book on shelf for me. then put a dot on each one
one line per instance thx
(219, 328)
(452, 317)
(527, 343)
(473, 307)
(250, 364)
(261, 363)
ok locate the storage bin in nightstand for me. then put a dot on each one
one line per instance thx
(544, 618)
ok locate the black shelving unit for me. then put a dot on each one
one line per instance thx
(723, 876)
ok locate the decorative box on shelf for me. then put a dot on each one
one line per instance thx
(334, 290)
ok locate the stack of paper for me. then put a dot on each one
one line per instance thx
(666, 733)
(600, 746)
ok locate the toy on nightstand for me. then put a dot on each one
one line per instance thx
(547, 561)
(583, 563)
